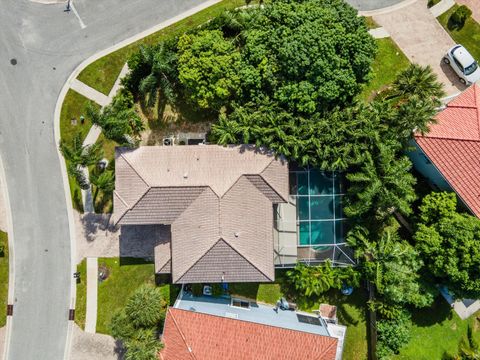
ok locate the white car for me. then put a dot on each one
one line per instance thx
(463, 64)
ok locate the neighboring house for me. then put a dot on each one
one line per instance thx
(207, 328)
(449, 155)
(219, 204)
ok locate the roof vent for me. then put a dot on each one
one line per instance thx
(237, 234)
(185, 176)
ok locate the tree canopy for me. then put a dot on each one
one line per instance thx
(393, 265)
(448, 242)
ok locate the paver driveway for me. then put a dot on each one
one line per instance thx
(422, 39)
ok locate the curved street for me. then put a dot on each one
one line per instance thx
(40, 45)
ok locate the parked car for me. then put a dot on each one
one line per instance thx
(463, 63)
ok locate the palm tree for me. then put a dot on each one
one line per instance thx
(382, 184)
(226, 131)
(79, 155)
(162, 60)
(105, 181)
(418, 81)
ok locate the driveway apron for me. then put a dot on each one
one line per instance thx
(423, 40)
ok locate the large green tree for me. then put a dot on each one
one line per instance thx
(307, 55)
(448, 242)
(208, 68)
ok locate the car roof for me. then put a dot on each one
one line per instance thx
(463, 56)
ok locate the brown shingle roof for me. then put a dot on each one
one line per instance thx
(193, 335)
(206, 193)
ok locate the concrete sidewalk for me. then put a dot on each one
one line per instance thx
(90, 93)
(92, 290)
(422, 39)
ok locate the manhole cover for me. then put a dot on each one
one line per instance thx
(13, 61)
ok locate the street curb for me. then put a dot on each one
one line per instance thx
(11, 257)
(387, 9)
(56, 130)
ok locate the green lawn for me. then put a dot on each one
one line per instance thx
(101, 74)
(468, 36)
(389, 61)
(126, 275)
(73, 106)
(350, 309)
(437, 331)
(81, 300)
(3, 279)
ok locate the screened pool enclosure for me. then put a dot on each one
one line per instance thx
(311, 227)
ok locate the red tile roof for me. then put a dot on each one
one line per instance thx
(453, 145)
(197, 336)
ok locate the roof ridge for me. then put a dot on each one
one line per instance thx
(321, 356)
(445, 138)
(134, 170)
(200, 258)
(477, 107)
(121, 199)
(266, 182)
(246, 259)
(136, 202)
(190, 351)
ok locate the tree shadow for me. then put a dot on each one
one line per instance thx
(125, 261)
(435, 314)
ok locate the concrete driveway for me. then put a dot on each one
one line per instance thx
(422, 39)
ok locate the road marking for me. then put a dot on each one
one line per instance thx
(82, 24)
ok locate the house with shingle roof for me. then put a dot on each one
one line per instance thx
(449, 154)
(218, 201)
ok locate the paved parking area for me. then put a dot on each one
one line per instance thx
(422, 39)
(87, 346)
(97, 237)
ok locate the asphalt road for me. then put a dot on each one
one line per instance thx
(47, 44)
(369, 5)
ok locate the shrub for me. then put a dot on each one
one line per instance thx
(432, 3)
(2, 250)
(459, 16)
(217, 290)
(197, 289)
(136, 325)
(393, 335)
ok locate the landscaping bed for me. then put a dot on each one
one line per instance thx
(3, 278)
(125, 275)
(468, 35)
(388, 63)
(74, 106)
(101, 74)
(81, 297)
